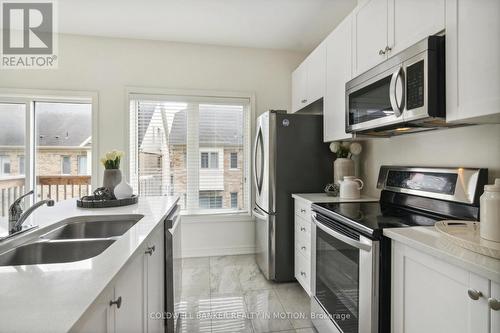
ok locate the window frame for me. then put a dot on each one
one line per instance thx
(78, 158)
(63, 158)
(137, 92)
(231, 161)
(28, 97)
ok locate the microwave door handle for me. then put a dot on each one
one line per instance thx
(339, 236)
(397, 106)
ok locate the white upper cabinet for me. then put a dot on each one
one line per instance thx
(299, 88)
(413, 20)
(316, 76)
(370, 34)
(308, 80)
(472, 61)
(338, 72)
(382, 28)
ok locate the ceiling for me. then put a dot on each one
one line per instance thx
(297, 25)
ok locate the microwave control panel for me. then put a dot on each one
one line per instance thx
(415, 85)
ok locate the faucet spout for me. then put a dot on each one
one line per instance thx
(16, 215)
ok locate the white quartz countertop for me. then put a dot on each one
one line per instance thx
(430, 241)
(322, 197)
(52, 297)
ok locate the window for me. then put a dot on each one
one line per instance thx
(60, 128)
(234, 200)
(21, 164)
(65, 165)
(196, 134)
(4, 166)
(209, 160)
(233, 163)
(210, 200)
(82, 165)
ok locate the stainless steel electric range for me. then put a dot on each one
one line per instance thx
(351, 257)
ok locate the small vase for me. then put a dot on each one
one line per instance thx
(123, 190)
(111, 178)
(342, 167)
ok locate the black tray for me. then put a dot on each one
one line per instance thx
(91, 202)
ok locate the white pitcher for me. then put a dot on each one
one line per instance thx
(350, 187)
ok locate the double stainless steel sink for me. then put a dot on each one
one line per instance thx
(71, 240)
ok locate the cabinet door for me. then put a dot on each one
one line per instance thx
(338, 72)
(413, 20)
(472, 61)
(299, 88)
(316, 76)
(99, 317)
(130, 317)
(370, 34)
(495, 314)
(155, 282)
(429, 295)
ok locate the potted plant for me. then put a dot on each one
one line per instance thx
(344, 165)
(112, 174)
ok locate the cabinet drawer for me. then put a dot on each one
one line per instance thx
(302, 224)
(303, 209)
(303, 272)
(302, 241)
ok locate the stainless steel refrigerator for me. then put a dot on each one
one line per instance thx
(289, 156)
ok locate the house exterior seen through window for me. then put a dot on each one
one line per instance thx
(234, 161)
(63, 130)
(201, 145)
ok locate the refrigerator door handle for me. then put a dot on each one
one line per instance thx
(257, 179)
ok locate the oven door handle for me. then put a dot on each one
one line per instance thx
(357, 244)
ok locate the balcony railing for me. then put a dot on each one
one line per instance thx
(60, 187)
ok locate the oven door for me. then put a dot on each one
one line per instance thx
(376, 102)
(345, 279)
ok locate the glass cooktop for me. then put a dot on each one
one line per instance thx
(374, 216)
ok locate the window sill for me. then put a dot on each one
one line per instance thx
(201, 217)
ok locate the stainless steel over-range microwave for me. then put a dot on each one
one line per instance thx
(405, 93)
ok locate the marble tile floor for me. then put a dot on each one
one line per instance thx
(229, 294)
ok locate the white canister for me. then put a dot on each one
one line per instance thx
(350, 187)
(490, 212)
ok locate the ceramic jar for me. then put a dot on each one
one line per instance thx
(111, 178)
(123, 190)
(342, 167)
(490, 212)
(350, 187)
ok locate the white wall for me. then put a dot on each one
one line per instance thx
(474, 146)
(109, 65)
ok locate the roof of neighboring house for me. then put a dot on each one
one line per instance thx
(57, 124)
(219, 125)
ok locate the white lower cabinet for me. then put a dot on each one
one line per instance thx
(155, 283)
(138, 290)
(430, 295)
(303, 244)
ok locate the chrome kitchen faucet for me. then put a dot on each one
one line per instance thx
(16, 215)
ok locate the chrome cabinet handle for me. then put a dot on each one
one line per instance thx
(387, 49)
(474, 294)
(381, 52)
(302, 229)
(494, 304)
(303, 248)
(304, 101)
(302, 210)
(303, 273)
(118, 302)
(150, 250)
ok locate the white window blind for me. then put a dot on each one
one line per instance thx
(183, 145)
